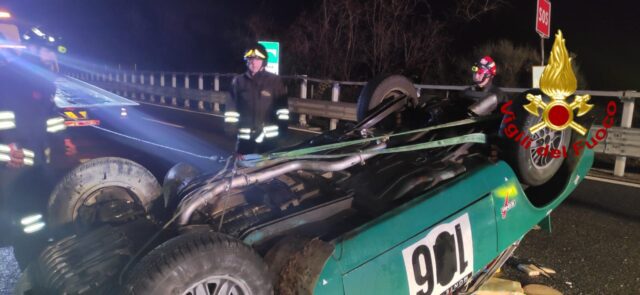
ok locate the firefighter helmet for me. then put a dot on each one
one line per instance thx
(256, 51)
(485, 67)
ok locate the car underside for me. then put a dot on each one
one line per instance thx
(325, 188)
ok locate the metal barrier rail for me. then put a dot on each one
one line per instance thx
(622, 141)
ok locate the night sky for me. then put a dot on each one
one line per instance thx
(204, 35)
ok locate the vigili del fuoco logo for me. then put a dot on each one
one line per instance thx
(557, 83)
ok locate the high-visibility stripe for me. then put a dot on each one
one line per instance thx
(271, 134)
(260, 137)
(232, 114)
(71, 115)
(56, 128)
(4, 157)
(282, 112)
(28, 161)
(7, 115)
(6, 125)
(244, 136)
(4, 148)
(283, 117)
(55, 121)
(28, 153)
(231, 120)
(270, 128)
(245, 130)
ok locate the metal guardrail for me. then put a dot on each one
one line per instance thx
(622, 142)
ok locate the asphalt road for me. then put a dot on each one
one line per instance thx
(594, 245)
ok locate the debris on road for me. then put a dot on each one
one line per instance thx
(529, 269)
(537, 289)
(497, 286)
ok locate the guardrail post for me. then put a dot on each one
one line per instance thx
(124, 80)
(335, 97)
(200, 87)
(216, 87)
(174, 100)
(162, 98)
(133, 81)
(628, 104)
(303, 94)
(152, 82)
(187, 103)
(142, 83)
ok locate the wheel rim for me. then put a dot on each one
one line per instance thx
(395, 119)
(106, 205)
(542, 138)
(218, 285)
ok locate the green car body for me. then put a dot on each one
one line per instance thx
(438, 241)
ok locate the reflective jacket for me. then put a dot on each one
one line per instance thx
(257, 99)
(27, 112)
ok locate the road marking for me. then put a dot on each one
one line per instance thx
(216, 115)
(612, 181)
(181, 109)
(162, 122)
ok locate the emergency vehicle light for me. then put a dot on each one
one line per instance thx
(81, 123)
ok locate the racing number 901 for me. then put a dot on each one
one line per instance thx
(441, 261)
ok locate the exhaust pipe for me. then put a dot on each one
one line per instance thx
(205, 195)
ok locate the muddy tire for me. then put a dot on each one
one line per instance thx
(201, 261)
(531, 167)
(383, 89)
(125, 187)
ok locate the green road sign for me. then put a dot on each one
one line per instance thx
(273, 49)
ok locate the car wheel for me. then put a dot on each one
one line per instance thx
(102, 191)
(201, 262)
(534, 168)
(385, 90)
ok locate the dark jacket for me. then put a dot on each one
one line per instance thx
(30, 98)
(485, 100)
(257, 98)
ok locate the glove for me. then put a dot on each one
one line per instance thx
(15, 156)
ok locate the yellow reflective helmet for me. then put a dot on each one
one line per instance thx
(256, 51)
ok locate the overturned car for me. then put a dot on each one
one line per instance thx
(410, 200)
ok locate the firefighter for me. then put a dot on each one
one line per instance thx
(484, 93)
(27, 120)
(258, 110)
